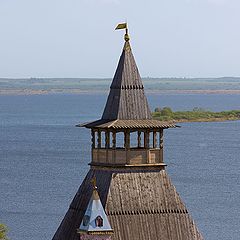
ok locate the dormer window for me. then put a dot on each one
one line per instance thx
(99, 221)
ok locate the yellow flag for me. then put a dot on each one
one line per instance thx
(121, 26)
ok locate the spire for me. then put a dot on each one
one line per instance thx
(95, 221)
(126, 99)
(127, 105)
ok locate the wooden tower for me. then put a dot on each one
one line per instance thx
(139, 199)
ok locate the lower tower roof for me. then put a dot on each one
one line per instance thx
(141, 204)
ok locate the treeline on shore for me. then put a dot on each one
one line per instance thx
(3, 232)
(195, 115)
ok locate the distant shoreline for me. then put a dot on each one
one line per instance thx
(79, 91)
(42, 86)
(195, 115)
(207, 120)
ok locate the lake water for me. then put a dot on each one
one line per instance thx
(44, 158)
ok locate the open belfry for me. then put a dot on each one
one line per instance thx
(135, 197)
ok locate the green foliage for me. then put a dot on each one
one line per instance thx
(167, 111)
(164, 114)
(197, 114)
(198, 109)
(3, 232)
(157, 109)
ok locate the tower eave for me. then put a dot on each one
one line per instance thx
(128, 124)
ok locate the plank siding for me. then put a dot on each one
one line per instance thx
(140, 205)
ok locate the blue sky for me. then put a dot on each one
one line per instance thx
(76, 38)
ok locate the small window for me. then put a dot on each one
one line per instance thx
(99, 221)
(86, 219)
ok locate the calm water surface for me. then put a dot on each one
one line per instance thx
(43, 159)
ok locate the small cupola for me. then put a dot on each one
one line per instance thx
(95, 224)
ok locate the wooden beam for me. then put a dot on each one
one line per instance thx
(93, 138)
(139, 139)
(161, 145)
(99, 140)
(154, 139)
(114, 139)
(161, 138)
(107, 139)
(127, 139)
(146, 139)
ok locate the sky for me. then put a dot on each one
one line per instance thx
(76, 38)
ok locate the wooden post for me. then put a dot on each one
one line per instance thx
(161, 139)
(99, 139)
(139, 139)
(93, 138)
(154, 139)
(146, 139)
(114, 139)
(126, 139)
(107, 139)
(126, 143)
(161, 145)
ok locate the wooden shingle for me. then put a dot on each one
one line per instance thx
(140, 204)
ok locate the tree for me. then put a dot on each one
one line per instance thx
(157, 109)
(198, 109)
(3, 232)
(166, 111)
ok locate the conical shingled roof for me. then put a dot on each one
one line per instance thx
(127, 105)
(126, 99)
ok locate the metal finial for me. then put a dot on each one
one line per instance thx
(94, 182)
(126, 36)
(123, 26)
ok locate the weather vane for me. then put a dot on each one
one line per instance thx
(123, 26)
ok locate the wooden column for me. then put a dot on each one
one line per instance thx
(139, 139)
(114, 140)
(126, 139)
(99, 140)
(161, 145)
(107, 139)
(93, 138)
(154, 139)
(127, 145)
(146, 139)
(161, 139)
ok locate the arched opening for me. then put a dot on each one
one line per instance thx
(133, 139)
(99, 221)
(103, 139)
(110, 140)
(151, 140)
(155, 139)
(93, 138)
(120, 140)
